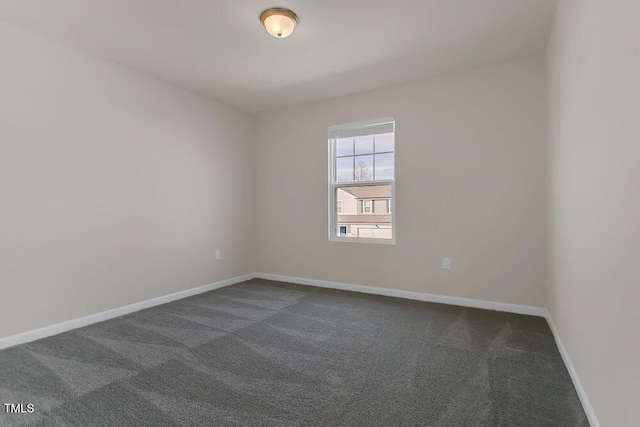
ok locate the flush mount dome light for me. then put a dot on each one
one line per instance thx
(279, 22)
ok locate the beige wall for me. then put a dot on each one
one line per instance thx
(594, 159)
(114, 187)
(470, 185)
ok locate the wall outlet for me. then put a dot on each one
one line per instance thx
(446, 263)
(217, 254)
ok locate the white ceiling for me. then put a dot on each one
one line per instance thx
(220, 49)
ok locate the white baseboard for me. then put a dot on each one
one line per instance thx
(582, 394)
(58, 328)
(418, 296)
(465, 302)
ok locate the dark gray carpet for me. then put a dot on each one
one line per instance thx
(270, 353)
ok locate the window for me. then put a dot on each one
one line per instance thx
(362, 182)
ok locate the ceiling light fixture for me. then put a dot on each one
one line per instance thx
(279, 22)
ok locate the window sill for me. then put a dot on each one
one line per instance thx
(363, 240)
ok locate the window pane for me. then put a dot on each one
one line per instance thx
(344, 147)
(384, 166)
(361, 216)
(384, 142)
(364, 144)
(344, 169)
(364, 168)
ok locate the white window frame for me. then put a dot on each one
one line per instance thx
(333, 186)
(364, 201)
(339, 206)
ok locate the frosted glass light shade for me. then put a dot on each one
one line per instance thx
(279, 22)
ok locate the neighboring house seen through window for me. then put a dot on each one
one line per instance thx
(362, 181)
